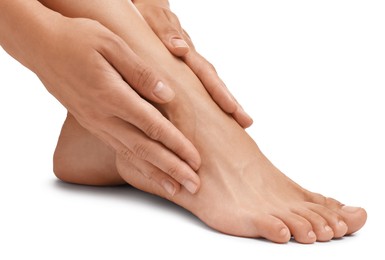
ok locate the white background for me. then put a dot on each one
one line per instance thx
(311, 73)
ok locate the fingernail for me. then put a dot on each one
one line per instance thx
(246, 114)
(193, 164)
(190, 186)
(163, 92)
(169, 187)
(311, 234)
(230, 96)
(350, 209)
(179, 43)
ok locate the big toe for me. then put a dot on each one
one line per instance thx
(354, 217)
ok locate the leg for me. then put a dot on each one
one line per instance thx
(242, 193)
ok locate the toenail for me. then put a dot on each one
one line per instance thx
(342, 224)
(328, 229)
(350, 209)
(284, 232)
(311, 234)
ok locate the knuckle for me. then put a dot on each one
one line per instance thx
(142, 76)
(171, 32)
(155, 131)
(172, 18)
(203, 66)
(141, 150)
(90, 118)
(210, 66)
(174, 172)
(126, 155)
(302, 225)
(109, 42)
(149, 175)
(114, 41)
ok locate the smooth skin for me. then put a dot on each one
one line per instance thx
(242, 193)
(102, 82)
(165, 24)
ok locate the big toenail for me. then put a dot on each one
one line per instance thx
(311, 234)
(350, 209)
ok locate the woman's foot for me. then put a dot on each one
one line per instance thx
(242, 193)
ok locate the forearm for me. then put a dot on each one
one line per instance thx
(112, 14)
(24, 25)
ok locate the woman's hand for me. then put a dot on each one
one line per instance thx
(166, 26)
(90, 70)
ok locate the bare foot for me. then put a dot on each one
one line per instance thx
(241, 192)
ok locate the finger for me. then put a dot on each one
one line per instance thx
(187, 38)
(216, 88)
(125, 103)
(137, 145)
(213, 84)
(152, 123)
(153, 174)
(240, 115)
(133, 69)
(167, 27)
(243, 119)
(134, 164)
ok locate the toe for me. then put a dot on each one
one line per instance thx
(334, 220)
(272, 228)
(300, 228)
(354, 217)
(320, 225)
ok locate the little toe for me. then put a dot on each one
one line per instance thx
(272, 228)
(300, 228)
